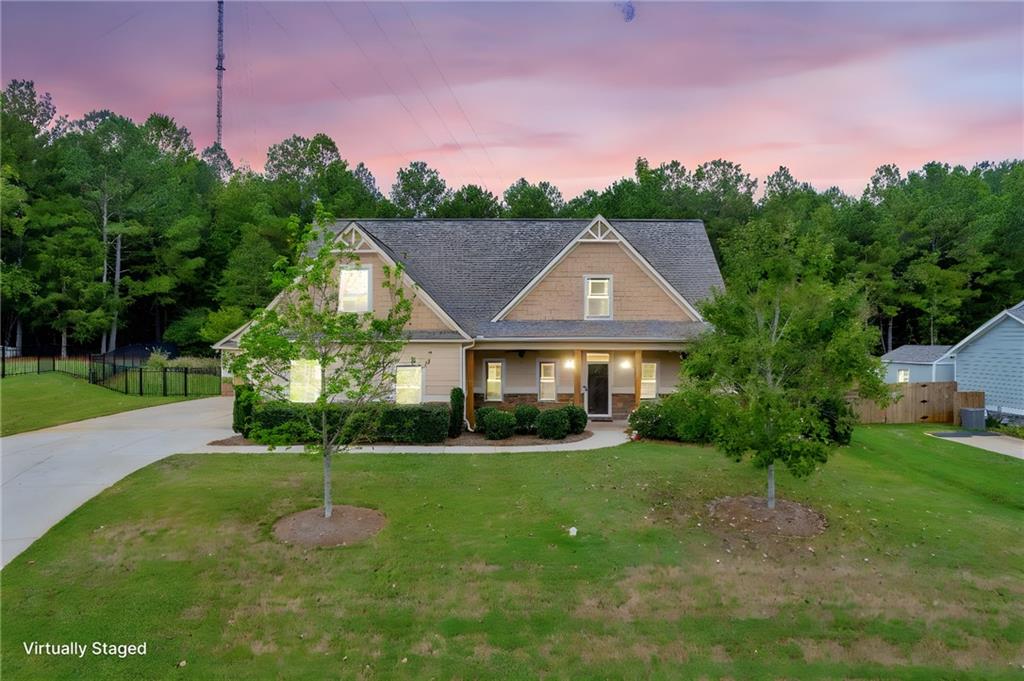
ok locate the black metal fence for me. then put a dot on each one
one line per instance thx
(127, 378)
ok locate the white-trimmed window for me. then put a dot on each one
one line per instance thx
(903, 375)
(648, 380)
(355, 289)
(409, 384)
(597, 292)
(547, 390)
(494, 380)
(304, 380)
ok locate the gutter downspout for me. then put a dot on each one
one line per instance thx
(462, 382)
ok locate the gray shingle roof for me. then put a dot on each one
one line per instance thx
(473, 268)
(594, 329)
(916, 354)
(1017, 311)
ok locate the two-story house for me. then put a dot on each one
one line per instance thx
(544, 312)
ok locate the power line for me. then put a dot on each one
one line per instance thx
(380, 75)
(451, 91)
(423, 92)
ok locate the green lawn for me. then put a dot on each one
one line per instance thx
(920, 574)
(34, 401)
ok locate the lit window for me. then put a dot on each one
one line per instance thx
(304, 381)
(493, 384)
(409, 385)
(648, 381)
(547, 391)
(599, 298)
(903, 376)
(354, 290)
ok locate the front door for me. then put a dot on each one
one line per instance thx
(598, 394)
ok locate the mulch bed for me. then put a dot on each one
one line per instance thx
(750, 516)
(347, 525)
(468, 439)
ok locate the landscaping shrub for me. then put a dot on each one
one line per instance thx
(457, 401)
(415, 423)
(526, 418)
(241, 412)
(553, 424)
(691, 415)
(577, 418)
(685, 416)
(499, 425)
(648, 422)
(480, 416)
(360, 427)
(411, 423)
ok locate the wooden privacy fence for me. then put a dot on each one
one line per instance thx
(938, 402)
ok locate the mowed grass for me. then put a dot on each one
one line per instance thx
(920, 574)
(34, 401)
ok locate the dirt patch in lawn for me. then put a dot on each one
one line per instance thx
(468, 439)
(347, 525)
(751, 516)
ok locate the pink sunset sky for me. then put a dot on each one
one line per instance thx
(571, 93)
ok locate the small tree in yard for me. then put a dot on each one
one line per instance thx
(342, 356)
(784, 341)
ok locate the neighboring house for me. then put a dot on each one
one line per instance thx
(543, 312)
(992, 359)
(918, 364)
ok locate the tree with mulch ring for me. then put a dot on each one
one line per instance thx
(346, 525)
(750, 515)
(317, 346)
(785, 346)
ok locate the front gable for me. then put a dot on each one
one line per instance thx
(638, 292)
(427, 315)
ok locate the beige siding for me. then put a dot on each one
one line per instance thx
(635, 294)
(423, 318)
(442, 364)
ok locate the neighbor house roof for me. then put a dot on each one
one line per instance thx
(916, 354)
(473, 268)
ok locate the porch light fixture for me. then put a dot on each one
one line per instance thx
(570, 364)
(625, 364)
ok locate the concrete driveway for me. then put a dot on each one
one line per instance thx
(46, 474)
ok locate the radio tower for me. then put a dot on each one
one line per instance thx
(220, 68)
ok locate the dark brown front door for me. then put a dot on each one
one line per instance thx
(597, 390)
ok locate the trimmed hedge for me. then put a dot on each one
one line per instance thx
(526, 418)
(499, 425)
(577, 418)
(287, 423)
(457, 401)
(242, 409)
(553, 424)
(481, 418)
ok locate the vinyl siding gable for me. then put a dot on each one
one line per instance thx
(994, 363)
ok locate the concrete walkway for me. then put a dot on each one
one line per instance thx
(46, 474)
(1000, 444)
(605, 435)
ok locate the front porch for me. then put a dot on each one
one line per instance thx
(608, 381)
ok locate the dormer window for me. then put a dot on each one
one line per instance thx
(597, 303)
(354, 292)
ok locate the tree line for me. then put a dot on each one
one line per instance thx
(115, 231)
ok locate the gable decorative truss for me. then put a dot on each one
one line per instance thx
(359, 242)
(356, 240)
(600, 231)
